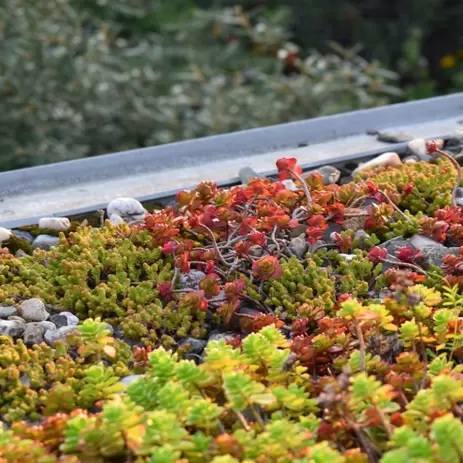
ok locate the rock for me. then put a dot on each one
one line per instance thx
(217, 335)
(454, 144)
(290, 185)
(49, 326)
(23, 235)
(298, 246)
(59, 334)
(247, 173)
(394, 246)
(256, 251)
(196, 346)
(127, 208)
(329, 173)
(11, 328)
(45, 242)
(34, 310)
(5, 234)
(348, 257)
(191, 280)
(354, 223)
(109, 328)
(394, 136)
(411, 159)
(297, 231)
(55, 223)
(362, 236)
(116, 219)
(433, 255)
(386, 159)
(25, 380)
(420, 241)
(33, 334)
(7, 311)
(128, 380)
(20, 254)
(418, 147)
(64, 319)
(15, 318)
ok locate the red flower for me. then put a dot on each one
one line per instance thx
(258, 238)
(286, 167)
(165, 290)
(408, 188)
(182, 262)
(247, 224)
(318, 221)
(372, 188)
(408, 254)
(377, 254)
(431, 146)
(267, 267)
(170, 247)
(313, 234)
(209, 266)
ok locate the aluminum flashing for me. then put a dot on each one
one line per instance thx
(84, 185)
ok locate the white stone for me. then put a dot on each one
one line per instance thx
(126, 208)
(418, 147)
(116, 219)
(5, 234)
(34, 310)
(45, 242)
(290, 185)
(386, 159)
(55, 223)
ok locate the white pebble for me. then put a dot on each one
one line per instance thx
(386, 159)
(116, 219)
(418, 147)
(290, 185)
(54, 223)
(126, 208)
(5, 234)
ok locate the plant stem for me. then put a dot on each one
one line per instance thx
(361, 346)
(304, 186)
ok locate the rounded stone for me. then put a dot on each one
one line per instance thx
(5, 234)
(386, 159)
(195, 346)
(116, 219)
(45, 242)
(64, 319)
(55, 223)
(15, 318)
(329, 174)
(49, 326)
(33, 334)
(11, 328)
(191, 279)
(128, 380)
(24, 235)
(126, 208)
(59, 334)
(6, 312)
(34, 310)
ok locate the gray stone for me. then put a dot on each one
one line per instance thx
(433, 255)
(329, 173)
(45, 242)
(297, 231)
(24, 235)
(6, 312)
(355, 222)
(420, 241)
(33, 334)
(116, 219)
(128, 380)
(55, 223)
(394, 136)
(47, 325)
(394, 246)
(15, 318)
(454, 144)
(11, 328)
(64, 319)
(362, 236)
(298, 246)
(191, 279)
(411, 159)
(109, 328)
(256, 251)
(34, 310)
(20, 254)
(247, 173)
(59, 334)
(196, 346)
(127, 208)
(25, 380)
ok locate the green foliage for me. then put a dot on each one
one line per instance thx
(71, 68)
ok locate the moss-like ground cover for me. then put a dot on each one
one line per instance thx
(347, 349)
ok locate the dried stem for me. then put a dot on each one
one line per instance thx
(304, 186)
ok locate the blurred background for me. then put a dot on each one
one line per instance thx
(86, 77)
